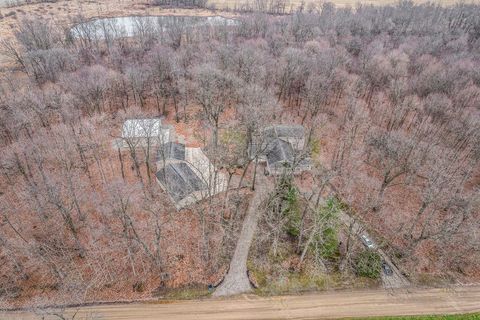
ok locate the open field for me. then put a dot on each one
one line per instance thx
(329, 305)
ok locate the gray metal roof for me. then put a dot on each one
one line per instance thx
(285, 131)
(171, 150)
(179, 180)
(279, 151)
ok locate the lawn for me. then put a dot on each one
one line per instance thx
(470, 316)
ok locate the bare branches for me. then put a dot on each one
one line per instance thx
(389, 99)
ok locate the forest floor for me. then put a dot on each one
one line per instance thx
(328, 305)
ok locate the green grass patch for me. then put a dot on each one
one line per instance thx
(231, 135)
(433, 280)
(315, 148)
(187, 293)
(292, 211)
(326, 242)
(369, 264)
(293, 282)
(471, 316)
(259, 274)
(329, 248)
(234, 141)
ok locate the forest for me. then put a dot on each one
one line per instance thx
(390, 100)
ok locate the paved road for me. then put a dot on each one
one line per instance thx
(328, 305)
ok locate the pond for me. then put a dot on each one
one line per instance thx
(141, 25)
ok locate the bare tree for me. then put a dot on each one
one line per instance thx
(214, 92)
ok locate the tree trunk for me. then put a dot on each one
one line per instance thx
(254, 173)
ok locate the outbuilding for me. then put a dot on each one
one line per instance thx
(144, 132)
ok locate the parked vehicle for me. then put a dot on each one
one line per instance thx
(367, 242)
(386, 268)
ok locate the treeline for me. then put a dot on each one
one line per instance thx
(181, 3)
(264, 6)
(278, 7)
(391, 95)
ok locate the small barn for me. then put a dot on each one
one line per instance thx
(144, 132)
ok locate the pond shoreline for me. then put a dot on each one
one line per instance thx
(128, 26)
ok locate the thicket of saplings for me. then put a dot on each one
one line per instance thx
(389, 96)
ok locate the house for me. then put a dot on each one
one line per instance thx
(293, 134)
(144, 132)
(170, 151)
(181, 183)
(282, 147)
(186, 174)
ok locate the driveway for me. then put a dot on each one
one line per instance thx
(397, 279)
(236, 281)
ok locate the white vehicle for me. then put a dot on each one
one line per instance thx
(367, 242)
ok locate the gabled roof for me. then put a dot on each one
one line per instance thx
(179, 180)
(142, 128)
(171, 151)
(279, 151)
(285, 131)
